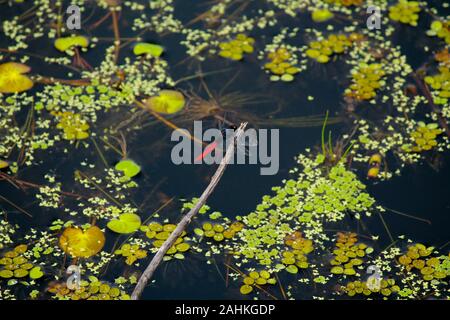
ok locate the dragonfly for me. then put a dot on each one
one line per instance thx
(242, 144)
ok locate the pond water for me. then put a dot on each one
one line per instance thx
(56, 186)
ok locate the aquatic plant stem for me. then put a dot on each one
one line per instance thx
(386, 227)
(407, 215)
(115, 20)
(22, 184)
(324, 151)
(16, 206)
(72, 82)
(168, 123)
(148, 273)
(281, 287)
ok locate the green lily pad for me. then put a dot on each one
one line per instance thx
(63, 44)
(321, 15)
(167, 101)
(337, 270)
(292, 269)
(36, 273)
(148, 48)
(6, 274)
(128, 167)
(127, 223)
(246, 289)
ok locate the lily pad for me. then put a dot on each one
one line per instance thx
(246, 289)
(36, 273)
(12, 78)
(148, 48)
(82, 243)
(128, 167)
(321, 15)
(337, 270)
(3, 164)
(63, 44)
(292, 269)
(6, 274)
(127, 223)
(167, 101)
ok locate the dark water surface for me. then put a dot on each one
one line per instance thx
(420, 190)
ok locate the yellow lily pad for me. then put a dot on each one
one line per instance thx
(63, 44)
(127, 223)
(246, 289)
(321, 15)
(167, 101)
(12, 78)
(3, 164)
(82, 243)
(6, 274)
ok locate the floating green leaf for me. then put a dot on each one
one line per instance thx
(63, 44)
(292, 269)
(167, 101)
(127, 223)
(246, 289)
(128, 167)
(148, 48)
(36, 273)
(321, 15)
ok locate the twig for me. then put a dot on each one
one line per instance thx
(256, 285)
(110, 197)
(115, 20)
(148, 273)
(386, 227)
(22, 184)
(16, 206)
(281, 287)
(407, 215)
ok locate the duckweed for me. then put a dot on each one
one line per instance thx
(14, 264)
(440, 29)
(424, 137)
(160, 233)
(321, 51)
(386, 288)
(73, 125)
(236, 48)
(348, 254)
(280, 66)
(88, 290)
(367, 79)
(218, 232)
(418, 257)
(132, 253)
(406, 12)
(441, 84)
(257, 279)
